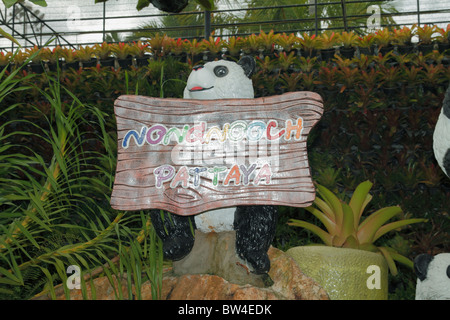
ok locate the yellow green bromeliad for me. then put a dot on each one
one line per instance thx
(350, 265)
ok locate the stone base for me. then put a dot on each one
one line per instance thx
(215, 254)
(289, 283)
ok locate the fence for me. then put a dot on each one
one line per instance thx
(78, 22)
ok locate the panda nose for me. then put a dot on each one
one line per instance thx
(197, 67)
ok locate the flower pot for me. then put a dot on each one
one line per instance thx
(385, 50)
(125, 63)
(90, 63)
(425, 48)
(53, 65)
(37, 67)
(72, 65)
(405, 49)
(443, 47)
(347, 53)
(107, 62)
(345, 274)
(142, 60)
(327, 54)
(366, 51)
(309, 53)
(390, 91)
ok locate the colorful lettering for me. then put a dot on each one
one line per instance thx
(182, 177)
(233, 174)
(196, 133)
(247, 172)
(216, 171)
(138, 138)
(160, 130)
(265, 173)
(273, 124)
(237, 131)
(298, 128)
(163, 173)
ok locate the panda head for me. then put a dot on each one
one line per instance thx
(433, 275)
(221, 80)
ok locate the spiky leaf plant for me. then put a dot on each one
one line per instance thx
(56, 174)
(346, 227)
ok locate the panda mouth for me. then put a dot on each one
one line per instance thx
(197, 89)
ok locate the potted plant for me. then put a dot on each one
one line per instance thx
(122, 51)
(327, 80)
(443, 38)
(178, 49)
(391, 78)
(327, 42)
(194, 50)
(213, 47)
(365, 44)
(86, 56)
(402, 39)
(383, 39)
(413, 79)
(250, 44)
(348, 42)
(343, 265)
(309, 45)
(140, 51)
(18, 59)
(103, 53)
(426, 36)
(290, 81)
(286, 61)
(53, 57)
(287, 42)
(266, 42)
(234, 46)
(36, 64)
(158, 45)
(70, 58)
(5, 60)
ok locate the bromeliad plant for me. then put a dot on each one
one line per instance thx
(346, 227)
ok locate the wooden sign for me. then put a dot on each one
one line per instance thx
(189, 156)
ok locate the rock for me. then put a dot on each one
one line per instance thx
(289, 283)
(103, 290)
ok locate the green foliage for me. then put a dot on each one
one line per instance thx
(10, 3)
(57, 170)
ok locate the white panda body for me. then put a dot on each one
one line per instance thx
(441, 140)
(218, 80)
(441, 136)
(435, 284)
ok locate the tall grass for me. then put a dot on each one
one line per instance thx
(56, 174)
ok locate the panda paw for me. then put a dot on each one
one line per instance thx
(176, 233)
(259, 261)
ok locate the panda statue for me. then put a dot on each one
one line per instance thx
(433, 276)
(254, 225)
(441, 136)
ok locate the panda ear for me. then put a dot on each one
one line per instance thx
(248, 64)
(421, 263)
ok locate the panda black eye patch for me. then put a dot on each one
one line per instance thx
(220, 71)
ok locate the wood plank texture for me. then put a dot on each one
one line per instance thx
(190, 156)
